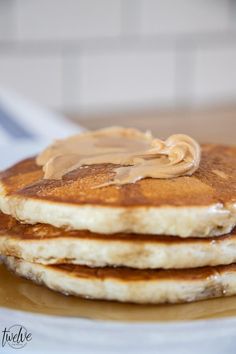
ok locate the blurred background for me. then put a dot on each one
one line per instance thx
(93, 59)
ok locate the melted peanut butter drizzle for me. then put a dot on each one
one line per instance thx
(138, 155)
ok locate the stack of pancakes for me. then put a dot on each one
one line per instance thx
(153, 241)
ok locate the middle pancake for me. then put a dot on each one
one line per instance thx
(47, 244)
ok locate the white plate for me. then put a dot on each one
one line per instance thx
(63, 334)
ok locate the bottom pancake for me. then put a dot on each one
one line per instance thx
(130, 285)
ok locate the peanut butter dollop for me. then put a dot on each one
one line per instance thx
(139, 155)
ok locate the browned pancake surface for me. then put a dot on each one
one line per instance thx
(214, 181)
(17, 230)
(127, 274)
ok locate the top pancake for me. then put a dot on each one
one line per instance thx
(203, 204)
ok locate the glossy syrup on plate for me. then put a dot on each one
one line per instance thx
(21, 294)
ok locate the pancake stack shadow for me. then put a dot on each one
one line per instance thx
(153, 241)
